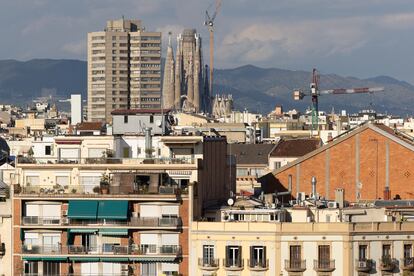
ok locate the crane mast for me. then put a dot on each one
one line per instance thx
(209, 22)
(315, 93)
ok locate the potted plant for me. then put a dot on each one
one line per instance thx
(104, 184)
(96, 189)
(73, 191)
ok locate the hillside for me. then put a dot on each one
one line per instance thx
(254, 88)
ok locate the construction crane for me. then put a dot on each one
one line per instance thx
(315, 93)
(209, 22)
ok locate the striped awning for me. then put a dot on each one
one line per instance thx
(113, 232)
(113, 259)
(83, 209)
(83, 230)
(113, 209)
(86, 259)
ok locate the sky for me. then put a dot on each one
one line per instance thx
(361, 38)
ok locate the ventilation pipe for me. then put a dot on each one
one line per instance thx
(148, 142)
(314, 188)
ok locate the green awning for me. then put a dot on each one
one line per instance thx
(82, 209)
(83, 230)
(113, 232)
(54, 259)
(114, 259)
(153, 259)
(113, 209)
(89, 259)
(32, 258)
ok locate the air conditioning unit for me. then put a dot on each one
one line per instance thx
(333, 204)
(64, 213)
(362, 264)
(65, 221)
(29, 247)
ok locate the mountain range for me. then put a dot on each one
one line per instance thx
(253, 88)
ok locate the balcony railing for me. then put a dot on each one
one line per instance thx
(258, 265)
(364, 265)
(135, 222)
(94, 190)
(233, 264)
(295, 265)
(208, 263)
(106, 160)
(387, 263)
(142, 249)
(322, 265)
(407, 263)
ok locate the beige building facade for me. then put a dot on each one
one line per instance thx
(124, 69)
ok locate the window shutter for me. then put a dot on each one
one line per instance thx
(264, 255)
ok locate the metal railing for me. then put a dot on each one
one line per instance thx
(408, 262)
(236, 263)
(261, 263)
(364, 264)
(94, 190)
(208, 262)
(141, 249)
(134, 221)
(105, 160)
(323, 264)
(388, 263)
(295, 265)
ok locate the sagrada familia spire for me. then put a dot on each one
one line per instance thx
(184, 84)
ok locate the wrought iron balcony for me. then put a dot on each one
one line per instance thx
(388, 264)
(407, 264)
(322, 265)
(208, 263)
(295, 265)
(258, 265)
(364, 265)
(233, 264)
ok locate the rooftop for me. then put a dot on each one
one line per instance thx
(139, 111)
(295, 147)
(250, 153)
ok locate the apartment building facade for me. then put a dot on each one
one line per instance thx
(76, 215)
(266, 248)
(124, 69)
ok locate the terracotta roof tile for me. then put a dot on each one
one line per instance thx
(295, 147)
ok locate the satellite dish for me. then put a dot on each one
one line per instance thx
(158, 123)
(230, 201)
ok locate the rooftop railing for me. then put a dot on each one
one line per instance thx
(105, 160)
(95, 190)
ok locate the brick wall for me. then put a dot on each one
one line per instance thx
(336, 167)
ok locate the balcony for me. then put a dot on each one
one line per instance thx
(388, 264)
(144, 222)
(407, 264)
(208, 263)
(107, 249)
(233, 264)
(258, 265)
(94, 191)
(364, 265)
(324, 265)
(295, 265)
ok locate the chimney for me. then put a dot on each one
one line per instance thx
(148, 142)
(314, 188)
(339, 197)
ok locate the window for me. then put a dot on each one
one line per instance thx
(277, 165)
(148, 269)
(295, 256)
(362, 251)
(151, 118)
(241, 172)
(48, 150)
(233, 256)
(62, 180)
(125, 152)
(408, 249)
(125, 119)
(324, 255)
(257, 256)
(32, 180)
(138, 151)
(90, 242)
(51, 268)
(208, 255)
(31, 268)
(386, 250)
